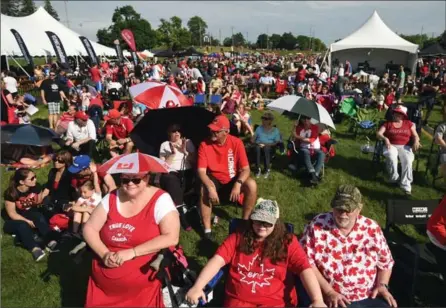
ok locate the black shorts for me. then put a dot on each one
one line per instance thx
(223, 190)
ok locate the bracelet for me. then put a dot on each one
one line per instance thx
(134, 251)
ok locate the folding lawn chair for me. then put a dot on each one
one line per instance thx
(433, 162)
(215, 99)
(366, 120)
(200, 99)
(413, 258)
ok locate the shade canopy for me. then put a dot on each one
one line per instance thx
(32, 29)
(374, 33)
(433, 50)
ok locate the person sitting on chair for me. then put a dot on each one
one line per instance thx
(397, 135)
(224, 171)
(440, 139)
(349, 254)
(241, 118)
(307, 137)
(81, 135)
(181, 156)
(118, 130)
(263, 251)
(266, 138)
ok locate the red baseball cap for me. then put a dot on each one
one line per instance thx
(220, 122)
(114, 114)
(81, 116)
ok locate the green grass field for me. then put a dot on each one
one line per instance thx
(22, 284)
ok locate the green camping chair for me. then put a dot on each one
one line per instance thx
(366, 121)
(348, 107)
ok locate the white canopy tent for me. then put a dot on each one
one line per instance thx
(375, 43)
(32, 29)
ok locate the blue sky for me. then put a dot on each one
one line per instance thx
(328, 20)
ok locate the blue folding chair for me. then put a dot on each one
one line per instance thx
(215, 99)
(199, 99)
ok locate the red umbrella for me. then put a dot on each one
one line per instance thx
(155, 95)
(135, 163)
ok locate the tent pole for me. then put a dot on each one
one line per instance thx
(7, 62)
(20, 67)
(329, 63)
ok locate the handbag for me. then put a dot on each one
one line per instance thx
(12, 115)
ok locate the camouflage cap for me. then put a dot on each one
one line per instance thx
(348, 198)
(266, 211)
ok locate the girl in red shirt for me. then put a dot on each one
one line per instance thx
(260, 258)
(397, 135)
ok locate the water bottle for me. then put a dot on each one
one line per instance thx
(215, 220)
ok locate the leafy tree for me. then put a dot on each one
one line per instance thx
(303, 41)
(443, 39)
(227, 42)
(10, 7)
(49, 8)
(197, 28)
(239, 39)
(287, 41)
(215, 41)
(172, 34)
(274, 41)
(262, 41)
(422, 40)
(318, 45)
(127, 18)
(27, 7)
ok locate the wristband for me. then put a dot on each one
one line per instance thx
(134, 251)
(239, 181)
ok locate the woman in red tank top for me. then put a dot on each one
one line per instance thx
(397, 136)
(126, 231)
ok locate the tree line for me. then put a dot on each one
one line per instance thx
(422, 40)
(19, 8)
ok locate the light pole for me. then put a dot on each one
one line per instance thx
(232, 30)
(66, 14)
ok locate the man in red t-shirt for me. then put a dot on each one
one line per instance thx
(117, 132)
(224, 171)
(95, 75)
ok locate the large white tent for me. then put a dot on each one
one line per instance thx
(32, 29)
(375, 43)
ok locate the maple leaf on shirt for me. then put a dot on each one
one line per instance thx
(255, 279)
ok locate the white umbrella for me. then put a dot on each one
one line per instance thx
(302, 106)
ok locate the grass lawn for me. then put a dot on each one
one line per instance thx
(22, 277)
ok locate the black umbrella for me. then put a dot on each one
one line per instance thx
(190, 52)
(27, 134)
(274, 68)
(151, 131)
(169, 53)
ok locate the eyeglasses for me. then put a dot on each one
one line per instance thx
(263, 223)
(126, 181)
(32, 179)
(174, 131)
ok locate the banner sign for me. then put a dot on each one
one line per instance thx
(135, 57)
(58, 49)
(23, 48)
(90, 50)
(118, 50)
(127, 36)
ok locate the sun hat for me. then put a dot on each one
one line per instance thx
(401, 110)
(220, 122)
(81, 116)
(266, 211)
(80, 163)
(347, 198)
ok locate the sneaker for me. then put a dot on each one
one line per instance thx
(313, 178)
(292, 167)
(51, 246)
(78, 248)
(267, 173)
(209, 236)
(38, 254)
(259, 172)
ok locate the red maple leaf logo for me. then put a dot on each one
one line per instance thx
(324, 259)
(333, 243)
(359, 237)
(337, 255)
(361, 280)
(254, 278)
(323, 237)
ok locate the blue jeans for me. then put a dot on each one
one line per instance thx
(99, 86)
(306, 156)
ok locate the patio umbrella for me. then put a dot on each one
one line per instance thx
(27, 134)
(302, 106)
(155, 95)
(135, 163)
(151, 131)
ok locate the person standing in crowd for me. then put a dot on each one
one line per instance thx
(307, 136)
(401, 82)
(398, 136)
(266, 138)
(7, 114)
(117, 133)
(440, 139)
(224, 171)
(431, 85)
(125, 231)
(96, 77)
(23, 217)
(81, 135)
(349, 254)
(52, 94)
(260, 258)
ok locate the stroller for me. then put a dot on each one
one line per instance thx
(172, 269)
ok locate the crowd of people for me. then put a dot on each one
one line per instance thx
(341, 259)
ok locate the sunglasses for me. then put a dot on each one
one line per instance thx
(266, 119)
(127, 181)
(32, 179)
(263, 223)
(59, 160)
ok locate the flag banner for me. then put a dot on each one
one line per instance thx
(23, 48)
(58, 49)
(90, 50)
(135, 57)
(118, 50)
(127, 36)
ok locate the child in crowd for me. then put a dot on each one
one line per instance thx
(85, 97)
(380, 100)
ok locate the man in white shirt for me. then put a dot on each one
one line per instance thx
(195, 73)
(81, 135)
(10, 84)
